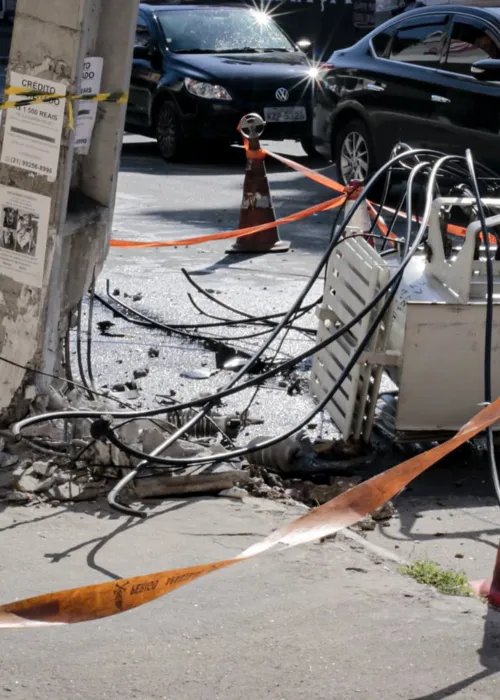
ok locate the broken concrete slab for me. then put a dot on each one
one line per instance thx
(72, 491)
(27, 483)
(118, 457)
(385, 512)
(18, 498)
(8, 460)
(153, 438)
(7, 479)
(235, 492)
(43, 469)
(167, 485)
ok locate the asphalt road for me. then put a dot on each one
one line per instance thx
(326, 621)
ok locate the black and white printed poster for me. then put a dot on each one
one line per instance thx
(24, 224)
(32, 137)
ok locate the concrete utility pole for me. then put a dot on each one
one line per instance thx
(56, 205)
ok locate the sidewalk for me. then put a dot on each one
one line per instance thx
(324, 621)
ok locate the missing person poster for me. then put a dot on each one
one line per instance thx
(32, 138)
(87, 111)
(24, 224)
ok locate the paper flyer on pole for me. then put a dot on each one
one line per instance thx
(87, 111)
(24, 224)
(32, 138)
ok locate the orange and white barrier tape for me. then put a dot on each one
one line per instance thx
(315, 209)
(111, 598)
(298, 216)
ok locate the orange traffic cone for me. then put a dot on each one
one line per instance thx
(256, 206)
(490, 588)
(360, 222)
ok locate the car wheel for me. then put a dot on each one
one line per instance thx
(168, 132)
(353, 153)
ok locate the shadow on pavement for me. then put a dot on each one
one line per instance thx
(100, 542)
(489, 657)
(310, 234)
(459, 483)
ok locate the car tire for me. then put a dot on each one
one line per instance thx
(353, 152)
(168, 132)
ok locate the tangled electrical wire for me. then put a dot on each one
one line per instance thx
(425, 168)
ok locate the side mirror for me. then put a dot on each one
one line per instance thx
(487, 69)
(141, 52)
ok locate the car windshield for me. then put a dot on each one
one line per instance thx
(224, 30)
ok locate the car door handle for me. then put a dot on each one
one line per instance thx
(440, 99)
(375, 87)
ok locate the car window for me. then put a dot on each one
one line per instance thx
(218, 29)
(420, 41)
(380, 42)
(142, 33)
(470, 41)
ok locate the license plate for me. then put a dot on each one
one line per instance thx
(285, 114)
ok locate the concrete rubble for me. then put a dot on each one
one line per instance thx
(60, 462)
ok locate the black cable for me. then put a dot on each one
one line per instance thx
(249, 321)
(336, 218)
(282, 324)
(409, 188)
(89, 331)
(213, 342)
(264, 319)
(488, 334)
(70, 382)
(114, 493)
(67, 353)
(103, 428)
(228, 391)
(383, 200)
(390, 289)
(392, 221)
(79, 351)
(233, 309)
(176, 329)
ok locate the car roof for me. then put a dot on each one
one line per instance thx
(473, 10)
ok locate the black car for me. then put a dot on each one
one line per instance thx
(198, 69)
(426, 78)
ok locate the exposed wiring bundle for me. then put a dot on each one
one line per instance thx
(427, 171)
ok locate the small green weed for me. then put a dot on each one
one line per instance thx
(446, 581)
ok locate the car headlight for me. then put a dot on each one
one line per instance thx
(206, 90)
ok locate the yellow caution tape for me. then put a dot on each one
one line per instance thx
(114, 597)
(33, 98)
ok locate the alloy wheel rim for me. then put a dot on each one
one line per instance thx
(167, 132)
(354, 161)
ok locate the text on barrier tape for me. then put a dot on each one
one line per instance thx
(113, 597)
(32, 97)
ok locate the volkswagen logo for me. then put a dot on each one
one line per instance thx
(282, 94)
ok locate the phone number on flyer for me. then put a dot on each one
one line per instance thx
(20, 163)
